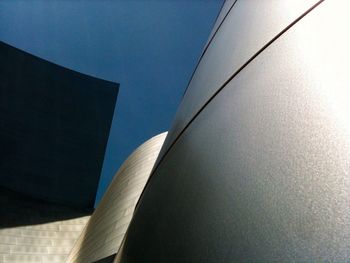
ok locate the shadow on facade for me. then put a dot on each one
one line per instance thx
(20, 210)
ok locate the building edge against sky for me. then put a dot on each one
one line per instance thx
(54, 127)
(83, 238)
(106, 228)
(256, 165)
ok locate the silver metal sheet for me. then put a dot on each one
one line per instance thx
(248, 27)
(227, 5)
(262, 174)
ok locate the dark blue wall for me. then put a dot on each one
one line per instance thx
(54, 126)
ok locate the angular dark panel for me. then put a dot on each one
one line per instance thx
(54, 126)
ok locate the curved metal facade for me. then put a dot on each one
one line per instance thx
(106, 228)
(247, 28)
(49, 237)
(256, 166)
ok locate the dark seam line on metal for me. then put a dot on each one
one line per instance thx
(221, 7)
(222, 87)
(209, 42)
(217, 15)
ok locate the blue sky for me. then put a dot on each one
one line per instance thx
(149, 47)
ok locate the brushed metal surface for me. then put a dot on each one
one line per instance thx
(221, 16)
(248, 27)
(262, 174)
(108, 224)
(48, 242)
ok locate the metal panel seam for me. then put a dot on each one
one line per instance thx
(223, 86)
(209, 42)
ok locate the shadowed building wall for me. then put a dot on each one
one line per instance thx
(256, 165)
(34, 230)
(37, 231)
(54, 126)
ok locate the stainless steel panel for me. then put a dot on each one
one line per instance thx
(45, 242)
(262, 174)
(106, 229)
(223, 12)
(249, 26)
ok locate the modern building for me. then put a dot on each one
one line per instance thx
(54, 127)
(100, 240)
(256, 165)
(82, 238)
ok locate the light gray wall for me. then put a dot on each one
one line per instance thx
(261, 174)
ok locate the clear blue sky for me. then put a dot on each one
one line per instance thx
(149, 47)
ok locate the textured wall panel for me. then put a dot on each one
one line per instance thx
(42, 243)
(108, 224)
(262, 174)
(248, 27)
